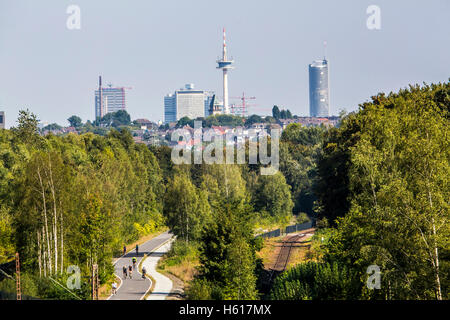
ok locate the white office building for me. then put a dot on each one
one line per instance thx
(185, 102)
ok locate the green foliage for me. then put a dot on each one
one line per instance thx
(302, 218)
(223, 120)
(253, 119)
(283, 114)
(332, 187)
(181, 251)
(392, 162)
(317, 281)
(75, 121)
(27, 130)
(273, 197)
(51, 127)
(185, 121)
(299, 150)
(276, 112)
(74, 199)
(227, 247)
(115, 119)
(185, 209)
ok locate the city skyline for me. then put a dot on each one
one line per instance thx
(273, 46)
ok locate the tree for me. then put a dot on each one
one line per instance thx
(288, 114)
(52, 127)
(115, 119)
(276, 112)
(185, 121)
(75, 121)
(283, 114)
(333, 165)
(273, 197)
(299, 150)
(121, 117)
(317, 281)
(227, 246)
(397, 173)
(185, 209)
(253, 119)
(227, 255)
(27, 130)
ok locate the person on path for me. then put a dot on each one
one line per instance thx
(124, 269)
(114, 287)
(137, 250)
(130, 271)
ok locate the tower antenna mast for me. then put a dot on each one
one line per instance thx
(225, 65)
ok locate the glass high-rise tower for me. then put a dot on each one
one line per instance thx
(2, 120)
(319, 92)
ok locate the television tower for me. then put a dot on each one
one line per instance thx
(225, 65)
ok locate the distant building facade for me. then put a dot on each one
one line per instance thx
(114, 99)
(319, 93)
(212, 105)
(185, 102)
(2, 120)
(109, 99)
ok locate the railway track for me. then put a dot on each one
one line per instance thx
(285, 252)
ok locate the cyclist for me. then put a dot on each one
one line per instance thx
(144, 272)
(114, 287)
(134, 262)
(124, 250)
(130, 271)
(137, 250)
(124, 269)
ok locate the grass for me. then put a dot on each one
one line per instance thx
(270, 251)
(105, 290)
(181, 261)
(300, 254)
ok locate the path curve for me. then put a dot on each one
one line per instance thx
(163, 285)
(136, 288)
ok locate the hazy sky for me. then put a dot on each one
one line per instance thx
(156, 47)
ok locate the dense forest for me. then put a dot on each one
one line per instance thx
(73, 200)
(377, 185)
(382, 191)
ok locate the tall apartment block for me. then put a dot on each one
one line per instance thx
(2, 120)
(185, 102)
(109, 99)
(319, 92)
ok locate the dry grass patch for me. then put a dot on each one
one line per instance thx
(270, 251)
(185, 270)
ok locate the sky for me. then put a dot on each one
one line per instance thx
(156, 47)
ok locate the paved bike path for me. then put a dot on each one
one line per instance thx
(163, 285)
(135, 288)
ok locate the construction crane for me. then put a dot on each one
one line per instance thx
(244, 105)
(110, 85)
